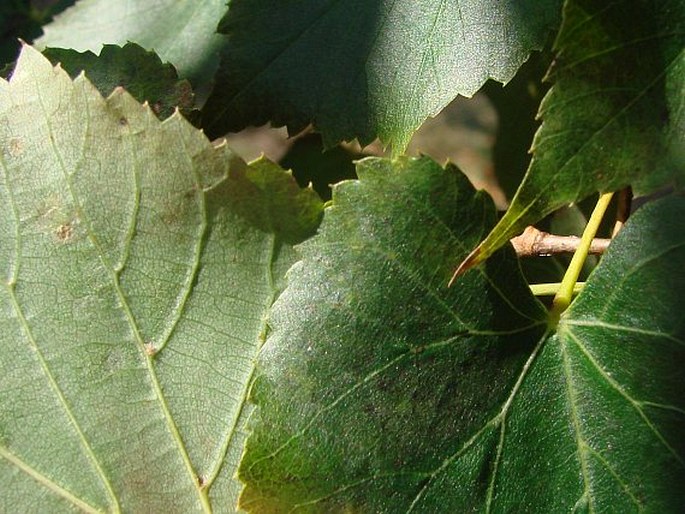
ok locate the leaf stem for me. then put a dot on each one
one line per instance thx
(563, 297)
(550, 289)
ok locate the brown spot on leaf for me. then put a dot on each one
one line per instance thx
(16, 147)
(65, 232)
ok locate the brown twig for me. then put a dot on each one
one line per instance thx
(534, 242)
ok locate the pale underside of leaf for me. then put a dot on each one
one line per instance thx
(140, 262)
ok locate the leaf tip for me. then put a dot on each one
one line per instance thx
(471, 260)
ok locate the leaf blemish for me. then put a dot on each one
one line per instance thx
(16, 147)
(65, 232)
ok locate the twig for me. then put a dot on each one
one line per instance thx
(534, 242)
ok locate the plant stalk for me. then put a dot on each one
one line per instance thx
(551, 289)
(563, 297)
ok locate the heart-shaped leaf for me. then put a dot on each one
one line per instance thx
(382, 390)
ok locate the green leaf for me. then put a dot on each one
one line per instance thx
(138, 71)
(376, 371)
(615, 115)
(614, 369)
(139, 263)
(381, 390)
(182, 33)
(366, 68)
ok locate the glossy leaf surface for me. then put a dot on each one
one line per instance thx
(139, 263)
(381, 390)
(366, 68)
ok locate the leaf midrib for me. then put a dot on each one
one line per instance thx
(581, 445)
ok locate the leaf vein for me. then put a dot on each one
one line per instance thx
(48, 483)
(581, 444)
(26, 329)
(423, 207)
(232, 425)
(616, 477)
(635, 268)
(499, 418)
(617, 387)
(200, 240)
(622, 328)
(114, 278)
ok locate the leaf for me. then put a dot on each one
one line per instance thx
(619, 352)
(182, 33)
(615, 115)
(140, 261)
(138, 71)
(381, 390)
(362, 69)
(375, 370)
